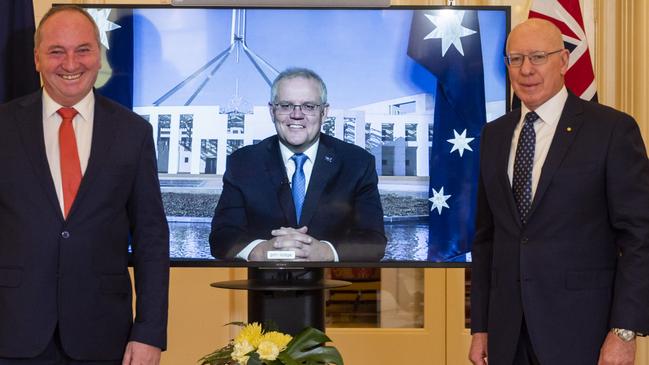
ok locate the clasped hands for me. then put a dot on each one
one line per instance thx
(306, 247)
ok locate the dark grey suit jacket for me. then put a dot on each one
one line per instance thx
(581, 264)
(74, 273)
(342, 203)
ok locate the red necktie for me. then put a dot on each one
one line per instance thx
(70, 165)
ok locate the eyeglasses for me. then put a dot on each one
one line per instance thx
(306, 108)
(536, 58)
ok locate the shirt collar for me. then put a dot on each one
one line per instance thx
(550, 111)
(83, 107)
(310, 153)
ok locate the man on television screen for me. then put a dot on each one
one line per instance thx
(299, 195)
(560, 271)
(78, 185)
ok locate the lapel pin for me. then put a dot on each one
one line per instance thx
(569, 129)
(329, 158)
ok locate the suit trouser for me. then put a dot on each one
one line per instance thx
(525, 354)
(54, 355)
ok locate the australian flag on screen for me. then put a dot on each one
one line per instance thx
(447, 43)
(116, 31)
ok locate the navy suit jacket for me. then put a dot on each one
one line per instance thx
(581, 264)
(74, 272)
(342, 203)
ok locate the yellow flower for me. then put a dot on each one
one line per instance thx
(271, 344)
(241, 348)
(252, 333)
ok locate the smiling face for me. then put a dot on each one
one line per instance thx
(296, 130)
(536, 84)
(67, 56)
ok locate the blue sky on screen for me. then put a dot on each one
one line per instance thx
(361, 54)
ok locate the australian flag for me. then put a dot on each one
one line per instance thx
(447, 43)
(18, 76)
(116, 27)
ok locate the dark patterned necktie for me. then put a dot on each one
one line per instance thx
(298, 184)
(523, 162)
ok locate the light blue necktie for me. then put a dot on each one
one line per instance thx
(298, 184)
(523, 163)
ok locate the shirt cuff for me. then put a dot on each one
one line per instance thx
(336, 259)
(243, 254)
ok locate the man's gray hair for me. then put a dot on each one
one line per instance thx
(293, 72)
(57, 9)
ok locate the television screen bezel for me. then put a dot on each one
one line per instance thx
(202, 263)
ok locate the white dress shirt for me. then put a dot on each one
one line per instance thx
(289, 164)
(82, 124)
(549, 114)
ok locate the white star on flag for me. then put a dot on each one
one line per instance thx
(101, 18)
(460, 142)
(439, 200)
(448, 27)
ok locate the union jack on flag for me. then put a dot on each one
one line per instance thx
(566, 14)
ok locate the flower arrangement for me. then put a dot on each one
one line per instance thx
(256, 346)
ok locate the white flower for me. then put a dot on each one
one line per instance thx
(268, 350)
(241, 349)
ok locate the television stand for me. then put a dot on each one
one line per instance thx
(290, 298)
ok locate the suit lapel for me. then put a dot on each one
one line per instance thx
(567, 129)
(103, 135)
(276, 172)
(30, 120)
(503, 161)
(325, 167)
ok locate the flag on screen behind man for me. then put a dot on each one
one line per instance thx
(566, 14)
(447, 43)
(18, 76)
(115, 80)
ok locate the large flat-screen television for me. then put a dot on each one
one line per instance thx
(411, 85)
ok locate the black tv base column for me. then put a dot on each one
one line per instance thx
(290, 298)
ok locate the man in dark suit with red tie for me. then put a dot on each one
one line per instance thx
(560, 271)
(79, 184)
(299, 195)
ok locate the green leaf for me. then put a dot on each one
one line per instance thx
(254, 359)
(240, 324)
(273, 362)
(286, 359)
(309, 337)
(324, 354)
(308, 347)
(218, 357)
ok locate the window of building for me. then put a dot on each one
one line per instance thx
(185, 143)
(411, 161)
(209, 152)
(387, 168)
(387, 132)
(411, 132)
(329, 126)
(349, 130)
(233, 145)
(164, 131)
(235, 123)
